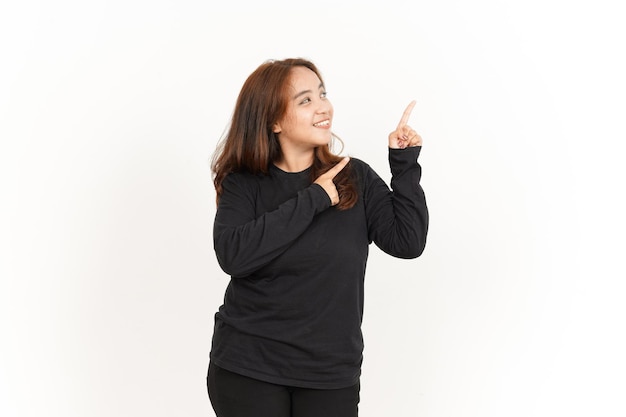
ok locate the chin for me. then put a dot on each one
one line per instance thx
(326, 140)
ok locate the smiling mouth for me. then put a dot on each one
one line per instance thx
(323, 123)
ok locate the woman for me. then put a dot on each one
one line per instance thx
(292, 228)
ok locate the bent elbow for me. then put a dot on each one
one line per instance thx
(413, 251)
(407, 249)
(231, 262)
(232, 266)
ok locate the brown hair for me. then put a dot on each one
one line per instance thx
(250, 144)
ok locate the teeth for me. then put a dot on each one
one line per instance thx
(324, 123)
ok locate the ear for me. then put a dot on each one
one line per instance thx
(276, 128)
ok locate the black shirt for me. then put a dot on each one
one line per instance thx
(293, 309)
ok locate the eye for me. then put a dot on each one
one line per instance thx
(305, 101)
(323, 94)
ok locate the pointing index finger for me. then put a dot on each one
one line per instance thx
(406, 114)
(338, 167)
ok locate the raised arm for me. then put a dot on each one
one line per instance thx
(398, 218)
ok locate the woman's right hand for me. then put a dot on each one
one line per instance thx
(326, 180)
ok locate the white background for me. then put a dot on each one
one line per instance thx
(110, 111)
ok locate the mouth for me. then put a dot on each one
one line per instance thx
(323, 123)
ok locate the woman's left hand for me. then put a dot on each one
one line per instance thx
(404, 135)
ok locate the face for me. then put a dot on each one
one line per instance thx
(308, 120)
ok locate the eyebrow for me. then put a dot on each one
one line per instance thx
(301, 93)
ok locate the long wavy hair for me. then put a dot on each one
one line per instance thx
(250, 144)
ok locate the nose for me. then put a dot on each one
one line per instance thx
(325, 107)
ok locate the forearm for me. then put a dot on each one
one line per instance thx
(243, 246)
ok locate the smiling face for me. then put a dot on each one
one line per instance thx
(308, 120)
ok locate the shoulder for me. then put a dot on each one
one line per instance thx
(363, 174)
(242, 177)
(241, 182)
(361, 169)
(359, 166)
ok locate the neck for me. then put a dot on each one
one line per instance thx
(295, 161)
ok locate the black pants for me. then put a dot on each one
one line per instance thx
(234, 395)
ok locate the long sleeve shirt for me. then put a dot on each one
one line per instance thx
(293, 309)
